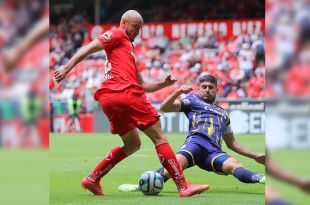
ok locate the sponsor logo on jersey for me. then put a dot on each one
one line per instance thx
(107, 36)
(107, 71)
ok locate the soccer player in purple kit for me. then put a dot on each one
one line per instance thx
(209, 124)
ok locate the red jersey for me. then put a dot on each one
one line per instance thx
(122, 99)
(120, 68)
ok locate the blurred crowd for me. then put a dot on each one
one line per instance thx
(65, 39)
(183, 10)
(288, 48)
(238, 61)
(288, 82)
(23, 73)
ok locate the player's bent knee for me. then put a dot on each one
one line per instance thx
(230, 165)
(131, 148)
(182, 161)
(236, 165)
(138, 146)
(156, 134)
(160, 141)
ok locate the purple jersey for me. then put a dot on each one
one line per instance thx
(206, 120)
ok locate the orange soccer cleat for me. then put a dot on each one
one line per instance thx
(193, 189)
(92, 186)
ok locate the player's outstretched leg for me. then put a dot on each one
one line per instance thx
(183, 161)
(247, 176)
(169, 161)
(131, 144)
(234, 167)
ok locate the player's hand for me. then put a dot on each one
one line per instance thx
(10, 59)
(169, 80)
(260, 158)
(305, 185)
(60, 74)
(185, 90)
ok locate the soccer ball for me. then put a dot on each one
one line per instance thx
(151, 183)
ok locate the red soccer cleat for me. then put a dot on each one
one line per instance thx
(193, 189)
(94, 187)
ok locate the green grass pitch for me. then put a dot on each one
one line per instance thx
(72, 156)
(24, 177)
(297, 162)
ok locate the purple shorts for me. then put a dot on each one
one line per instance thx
(199, 151)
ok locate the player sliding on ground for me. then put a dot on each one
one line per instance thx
(122, 98)
(208, 125)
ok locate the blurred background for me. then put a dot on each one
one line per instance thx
(287, 100)
(24, 73)
(24, 101)
(200, 37)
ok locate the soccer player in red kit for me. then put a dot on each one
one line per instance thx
(122, 98)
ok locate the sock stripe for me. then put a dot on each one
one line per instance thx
(246, 176)
(234, 170)
(161, 144)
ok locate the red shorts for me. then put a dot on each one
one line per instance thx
(127, 109)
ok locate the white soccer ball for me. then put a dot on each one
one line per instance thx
(151, 183)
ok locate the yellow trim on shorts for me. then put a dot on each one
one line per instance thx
(183, 150)
(214, 159)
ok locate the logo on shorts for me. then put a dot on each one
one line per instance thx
(107, 36)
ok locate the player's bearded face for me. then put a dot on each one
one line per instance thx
(208, 91)
(132, 29)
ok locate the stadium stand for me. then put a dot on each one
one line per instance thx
(238, 62)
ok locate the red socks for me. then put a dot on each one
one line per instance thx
(166, 157)
(169, 161)
(109, 161)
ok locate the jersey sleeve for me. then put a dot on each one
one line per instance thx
(228, 129)
(185, 104)
(110, 39)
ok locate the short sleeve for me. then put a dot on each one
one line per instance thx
(110, 39)
(185, 104)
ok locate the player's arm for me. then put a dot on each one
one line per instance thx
(275, 170)
(171, 104)
(236, 146)
(90, 48)
(35, 35)
(154, 86)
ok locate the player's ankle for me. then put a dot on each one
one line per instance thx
(89, 177)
